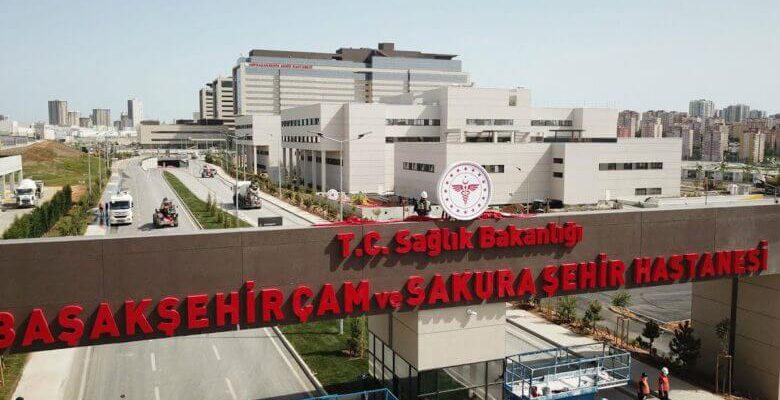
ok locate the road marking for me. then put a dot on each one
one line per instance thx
(230, 389)
(83, 384)
(286, 360)
(156, 393)
(154, 364)
(216, 353)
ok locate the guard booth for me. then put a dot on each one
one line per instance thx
(577, 372)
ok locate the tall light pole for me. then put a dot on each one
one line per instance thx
(528, 190)
(341, 162)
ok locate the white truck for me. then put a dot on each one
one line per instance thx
(248, 195)
(120, 209)
(28, 193)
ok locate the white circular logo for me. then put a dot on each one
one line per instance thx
(465, 190)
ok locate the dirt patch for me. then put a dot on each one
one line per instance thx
(77, 192)
(43, 151)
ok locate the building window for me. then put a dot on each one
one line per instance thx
(557, 160)
(551, 122)
(647, 191)
(301, 122)
(630, 166)
(641, 165)
(494, 169)
(656, 165)
(557, 174)
(654, 191)
(332, 161)
(412, 122)
(640, 191)
(412, 166)
(406, 139)
(494, 122)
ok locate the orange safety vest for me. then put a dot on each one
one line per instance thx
(663, 383)
(644, 386)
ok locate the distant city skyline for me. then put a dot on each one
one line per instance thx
(570, 53)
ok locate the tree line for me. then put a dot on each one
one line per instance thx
(42, 219)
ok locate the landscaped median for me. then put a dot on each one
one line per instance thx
(338, 361)
(206, 212)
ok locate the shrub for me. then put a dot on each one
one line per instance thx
(651, 331)
(42, 219)
(592, 314)
(621, 299)
(722, 330)
(360, 199)
(567, 309)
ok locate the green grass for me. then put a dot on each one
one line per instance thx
(63, 171)
(323, 350)
(200, 209)
(12, 371)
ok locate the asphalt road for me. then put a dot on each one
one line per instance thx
(247, 364)
(148, 188)
(223, 191)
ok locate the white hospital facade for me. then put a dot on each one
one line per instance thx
(567, 154)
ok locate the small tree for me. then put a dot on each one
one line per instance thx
(356, 343)
(684, 346)
(651, 331)
(567, 309)
(722, 330)
(621, 299)
(592, 315)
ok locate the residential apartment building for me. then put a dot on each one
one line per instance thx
(756, 114)
(628, 123)
(402, 144)
(135, 112)
(58, 112)
(73, 118)
(85, 122)
(736, 113)
(715, 142)
(651, 127)
(206, 102)
(269, 81)
(701, 108)
(752, 145)
(101, 117)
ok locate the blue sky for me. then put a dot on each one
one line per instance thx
(622, 54)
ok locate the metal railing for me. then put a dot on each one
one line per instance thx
(564, 372)
(378, 394)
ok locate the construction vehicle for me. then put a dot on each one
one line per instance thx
(166, 215)
(28, 194)
(248, 195)
(120, 209)
(207, 172)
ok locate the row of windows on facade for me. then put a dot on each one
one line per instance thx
(301, 122)
(488, 121)
(551, 122)
(647, 191)
(412, 122)
(630, 166)
(328, 160)
(301, 139)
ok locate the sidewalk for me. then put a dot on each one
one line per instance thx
(50, 374)
(314, 219)
(563, 337)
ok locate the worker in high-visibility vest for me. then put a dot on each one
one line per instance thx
(663, 384)
(643, 387)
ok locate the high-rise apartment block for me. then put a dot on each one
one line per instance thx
(701, 108)
(101, 117)
(751, 146)
(58, 112)
(715, 142)
(755, 114)
(736, 113)
(269, 81)
(73, 118)
(651, 127)
(628, 123)
(135, 112)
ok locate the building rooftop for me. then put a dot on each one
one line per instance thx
(361, 55)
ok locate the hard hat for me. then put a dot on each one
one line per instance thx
(424, 194)
(665, 371)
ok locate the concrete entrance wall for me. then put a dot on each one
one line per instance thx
(757, 345)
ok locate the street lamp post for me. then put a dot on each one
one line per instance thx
(341, 162)
(528, 190)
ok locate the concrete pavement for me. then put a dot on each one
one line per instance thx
(560, 336)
